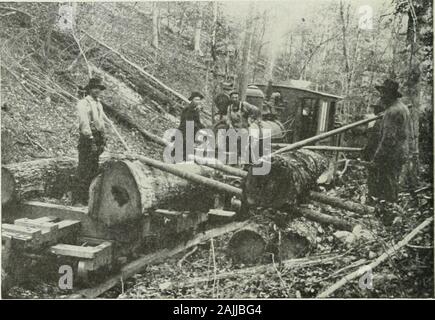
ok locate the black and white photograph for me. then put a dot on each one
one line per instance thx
(215, 150)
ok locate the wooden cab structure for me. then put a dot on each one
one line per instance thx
(303, 112)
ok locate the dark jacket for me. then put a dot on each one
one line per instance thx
(373, 139)
(393, 147)
(190, 113)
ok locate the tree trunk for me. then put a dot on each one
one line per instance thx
(291, 177)
(243, 74)
(259, 242)
(197, 35)
(155, 26)
(44, 177)
(52, 177)
(127, 190)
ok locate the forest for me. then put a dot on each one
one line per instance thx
(151, 56)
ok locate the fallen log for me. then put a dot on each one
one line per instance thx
(43, 177)
(128, 190)
(386, 255)
(264, 241)
(137, 265)
(325, 219)
(342, 204)
(138, 68)
(316, 196)
(130, 122)
(292, 244)
(291, 177)
(51, 177)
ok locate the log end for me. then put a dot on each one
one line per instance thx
(247, 247)
(8, 186)
(115, 196)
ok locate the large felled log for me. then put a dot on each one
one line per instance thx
(47, 177)
(291, 177)
(262, 241)
(51, 177)
(127, 190)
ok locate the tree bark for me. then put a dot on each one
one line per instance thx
(155, 26)
(197, 35)
(291, 177)
(260, 242)
(52, 177)
(128, 190)
(44, 177)
(243, 74)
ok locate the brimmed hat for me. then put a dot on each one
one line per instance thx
(234, 92)
(195, 94)
(389, 86)
(95, 83)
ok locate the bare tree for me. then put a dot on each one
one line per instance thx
(155, 25)
(243, 74)
(197, 34)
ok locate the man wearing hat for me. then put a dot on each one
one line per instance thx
(191, 113)
(392, 151)
(92, 137)
(239, 112)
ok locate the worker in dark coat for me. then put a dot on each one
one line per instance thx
(392, 151)
(373, 139)
(191, 113)
(92, 139)
(222, 100)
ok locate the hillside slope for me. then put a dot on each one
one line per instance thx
(40, 73)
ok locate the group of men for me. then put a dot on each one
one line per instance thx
(386, 151)
(232, 113)
(387, 148)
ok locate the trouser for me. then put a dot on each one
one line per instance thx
(373, 182)
(388, 181)
(87, 168)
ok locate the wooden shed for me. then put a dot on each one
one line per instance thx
(303, 112)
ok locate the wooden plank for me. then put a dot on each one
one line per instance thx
(69, 250)
(45, 226)
(34, 233)
(15, 236)
(221, 213)
(168, 213)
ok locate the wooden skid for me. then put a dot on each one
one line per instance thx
(36, 233)
(91, 257)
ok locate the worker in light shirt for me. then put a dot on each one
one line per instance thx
(92, 139)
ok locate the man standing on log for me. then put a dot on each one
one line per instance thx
(92, 138)
(392, 151)
(373, 139)
(191, 113)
